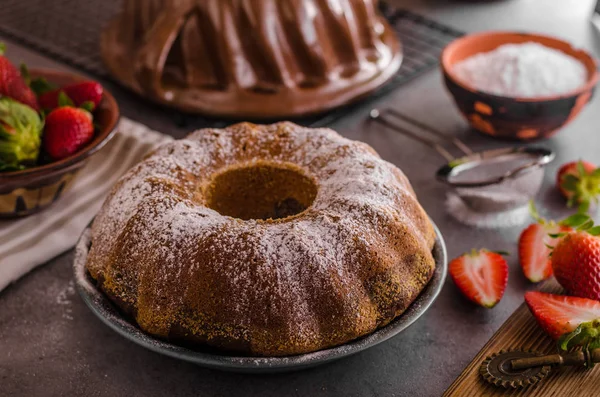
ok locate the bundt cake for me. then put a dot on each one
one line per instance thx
(262, 240)
(251, 59)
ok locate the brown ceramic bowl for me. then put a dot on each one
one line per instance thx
(515, 118)
(28, 191)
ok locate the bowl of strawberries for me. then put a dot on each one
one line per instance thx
(51, 122)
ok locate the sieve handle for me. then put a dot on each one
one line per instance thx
(376, 116)
(455, 141)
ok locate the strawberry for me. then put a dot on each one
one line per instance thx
(13, 85)
(67, 130)
(579, 183)
(481, 276)
(576, 258)
(534, 254)
(559, 315)
(78, 93)
(534, 246)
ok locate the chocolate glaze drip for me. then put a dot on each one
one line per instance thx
(251, 58)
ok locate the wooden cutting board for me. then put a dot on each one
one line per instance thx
(521, 331)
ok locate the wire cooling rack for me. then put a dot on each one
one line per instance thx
(69, 31)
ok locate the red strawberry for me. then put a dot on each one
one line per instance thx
(559, 314)
(534, 243)
(13, 85)
(481, 276)
(576, 263)
(579, 182)
(67, 130)
(79, 93)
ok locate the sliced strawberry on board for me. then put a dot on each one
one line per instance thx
(559, 314)
(481, 275)
(534, 247)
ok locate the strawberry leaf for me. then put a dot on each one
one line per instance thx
(594, 231)
(570, 183)
(40, 86)
(557, 235)
(575, 220)
(88, 105)
(25, 74)
(570, 178)
(584, 207)
(586, 226)
(586, 336)
(2, 48)
(64, 100)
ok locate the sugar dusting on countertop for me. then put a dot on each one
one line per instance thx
(64, 299)
(522, 70)
(456, 207)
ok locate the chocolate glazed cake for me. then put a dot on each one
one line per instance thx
(251, 58)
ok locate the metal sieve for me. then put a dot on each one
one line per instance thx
(490, 181)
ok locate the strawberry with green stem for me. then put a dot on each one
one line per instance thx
(576, 257)
(579, 183)
(87, 94)
(12, 83)
(67, 130)
(572, 321)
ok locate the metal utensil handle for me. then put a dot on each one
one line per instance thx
(455, 141)
(579, 357)
(376, 116)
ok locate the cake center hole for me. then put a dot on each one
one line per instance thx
(261, 191)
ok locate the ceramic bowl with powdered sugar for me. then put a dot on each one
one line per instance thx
(518, 85)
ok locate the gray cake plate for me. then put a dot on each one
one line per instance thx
(110, 315)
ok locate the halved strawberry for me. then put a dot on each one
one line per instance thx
(481, 276)
(559, 315)
(534, 247)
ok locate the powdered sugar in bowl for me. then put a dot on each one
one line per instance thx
(543, 84)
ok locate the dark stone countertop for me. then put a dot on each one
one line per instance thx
(51, 344)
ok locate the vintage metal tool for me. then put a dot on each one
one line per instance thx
(490, 181)
(517, 368)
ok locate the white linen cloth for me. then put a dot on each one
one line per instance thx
(31, 241)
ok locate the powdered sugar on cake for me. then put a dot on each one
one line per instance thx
(157, 210)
